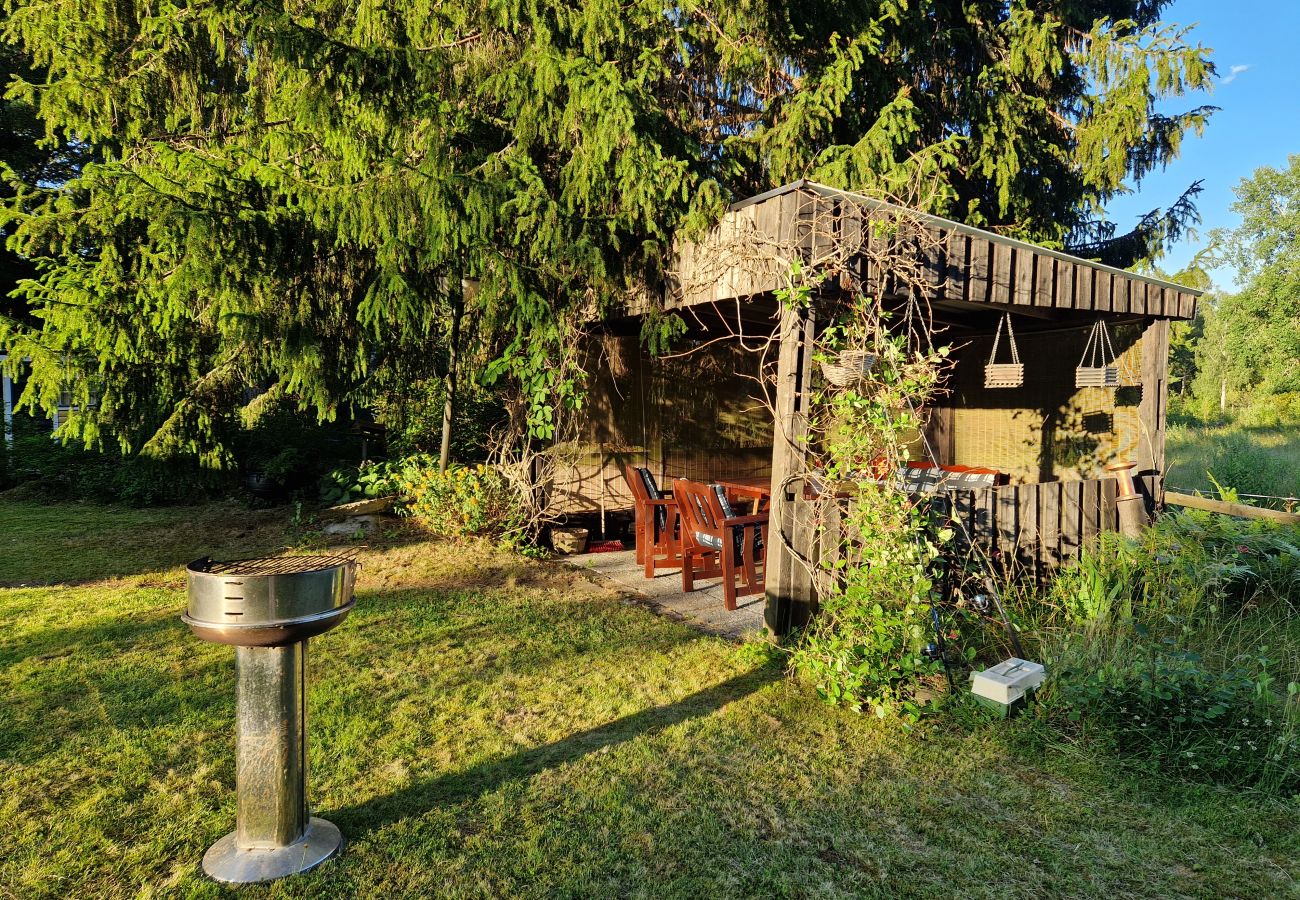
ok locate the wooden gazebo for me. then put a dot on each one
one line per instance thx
(696, 415)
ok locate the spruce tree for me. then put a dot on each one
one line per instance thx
(286, 199)
(25, 157)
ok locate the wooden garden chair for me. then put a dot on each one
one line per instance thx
(719, 544)
(658, 522)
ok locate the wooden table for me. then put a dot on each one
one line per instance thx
(759, 490)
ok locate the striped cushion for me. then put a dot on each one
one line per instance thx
(969, 481)
(708, 540)
(721, 493)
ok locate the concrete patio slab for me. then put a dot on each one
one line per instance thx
(702, 608)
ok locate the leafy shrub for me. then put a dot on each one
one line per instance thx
(464, 500)
(1191, 411)
(1239, 463)
(867, 647)
(411, 410)
(868, 652)
(284, 445)
(1271, 411)
(292, 448)
(1190, 566)
(41, 467)
(364, 482)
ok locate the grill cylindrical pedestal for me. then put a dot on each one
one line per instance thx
(274, 834)
(271, 747)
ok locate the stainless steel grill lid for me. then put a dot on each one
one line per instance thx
(268, 601)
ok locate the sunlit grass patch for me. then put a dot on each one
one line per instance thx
(484, 725)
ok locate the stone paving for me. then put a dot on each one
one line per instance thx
(701, 608)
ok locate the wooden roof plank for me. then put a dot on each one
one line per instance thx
(1085, 291)
(1102, 285)
(936, 262)
(1063, 298)
(1001, 285)
(981, 261)
(1022, 268)
(956, 284)
(964, 263)
(1044, 280)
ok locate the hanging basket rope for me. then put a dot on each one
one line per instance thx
(1004, 375)
(1097, 367)
(849, 367)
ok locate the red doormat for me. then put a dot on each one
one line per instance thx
(604, 546)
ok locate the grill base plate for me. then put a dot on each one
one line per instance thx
(225, 862)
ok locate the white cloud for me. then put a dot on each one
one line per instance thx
(1233, 72)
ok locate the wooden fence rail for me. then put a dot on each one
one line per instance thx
(1243, 510)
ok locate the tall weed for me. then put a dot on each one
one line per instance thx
(1181, 651)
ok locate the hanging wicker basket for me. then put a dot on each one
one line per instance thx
(849, 367)
(1097, 366)
(1004, 375)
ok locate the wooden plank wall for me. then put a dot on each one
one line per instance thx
(1037, 527)
(1029, 528)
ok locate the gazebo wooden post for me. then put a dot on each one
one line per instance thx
(1155, 393)
(790, 599)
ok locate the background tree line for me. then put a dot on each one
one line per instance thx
(1240, 359)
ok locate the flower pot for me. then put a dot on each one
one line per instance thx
(569, 541)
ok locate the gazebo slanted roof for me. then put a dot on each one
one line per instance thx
(748, 253)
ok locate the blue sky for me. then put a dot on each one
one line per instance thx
(1256, 48)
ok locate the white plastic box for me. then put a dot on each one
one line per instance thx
(1008, 681)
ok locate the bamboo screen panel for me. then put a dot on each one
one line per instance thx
(713, 425)
(1047, 430)
(589, 475)
(692, 416)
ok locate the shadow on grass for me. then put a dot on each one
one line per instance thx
(92, 638)
(487, 776)
(500, 633)
(119, 670)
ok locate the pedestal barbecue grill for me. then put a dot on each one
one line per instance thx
(267, 608)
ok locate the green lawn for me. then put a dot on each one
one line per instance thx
(487, 726)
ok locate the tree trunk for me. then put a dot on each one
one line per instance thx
(449, 382)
